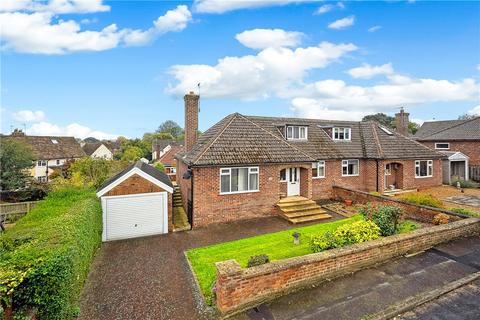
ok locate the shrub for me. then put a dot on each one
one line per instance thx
(464, 183)
(160, 166)
(385, 217)
(356, 232)
(441, 218)
(423, 199)
(464, 212)
(45, 258)
(258, 260)
(407, 226)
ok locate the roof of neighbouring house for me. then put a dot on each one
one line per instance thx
(449, 130)
(51, 147)
(143, 167)
(239, 139)
(90, 148)
(168, 159)
(160, 144)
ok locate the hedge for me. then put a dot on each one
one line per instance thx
(46, 256)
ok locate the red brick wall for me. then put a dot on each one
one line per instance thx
(238, 289)
(469, 148)
(408, 175)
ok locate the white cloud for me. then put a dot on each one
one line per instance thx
(222, 6)
(37, 32)
(312, 109)
(76, 130)
(271, 71)
(329, 7)
(29, 116)
(374, 28)
(342, 23)
(474, 111)
(367, 71)
(54, 6)
(337, 95)
(269, 38)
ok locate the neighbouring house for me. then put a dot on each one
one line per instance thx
(52, 153)
(136, 202)
(102, 150)
(168, 159)
(459, 140)
(246, 166)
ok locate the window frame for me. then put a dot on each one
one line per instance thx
(228, 171)
(290, 134)
(42, 179)
(429, 169)
(320, 164)
(447, 143)
(280, 175)
(345, 164)
(41, 163)
(388, 169)
(336, 132)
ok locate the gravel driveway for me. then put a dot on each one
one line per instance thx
(148, 278)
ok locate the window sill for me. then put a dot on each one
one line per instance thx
(316, 178)
(419, 177)
(238, 192)
(350, 175)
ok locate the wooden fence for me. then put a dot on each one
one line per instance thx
(474, 173)
(11, 212)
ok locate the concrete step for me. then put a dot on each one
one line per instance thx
(291, 199)
(299, 208)
(296, 204)
(312, 212)
(310, 218)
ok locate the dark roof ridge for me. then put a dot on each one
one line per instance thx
(233, 116)
(285, 141)
(450, 127)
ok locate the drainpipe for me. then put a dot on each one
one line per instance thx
(191, 197)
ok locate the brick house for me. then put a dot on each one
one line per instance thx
(249, 166)
(167, 158)
(459, 140)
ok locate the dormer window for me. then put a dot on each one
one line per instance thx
(341, 133)
(296, 133)
(54, 141)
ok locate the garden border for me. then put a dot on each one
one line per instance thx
(238, 289)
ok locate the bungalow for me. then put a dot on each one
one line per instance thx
(249, 166)
(52, 153)
(101, 150)
(459, 140)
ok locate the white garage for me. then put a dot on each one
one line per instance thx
(136, 203)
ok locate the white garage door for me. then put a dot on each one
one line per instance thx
(135, 216)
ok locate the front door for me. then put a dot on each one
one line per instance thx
(293, 182)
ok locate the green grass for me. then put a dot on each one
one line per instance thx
(277, 246)
(407, 226)
(465, 212)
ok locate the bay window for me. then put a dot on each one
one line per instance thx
(238, 180)
(318, 169)
(350, 168)
(423, 168)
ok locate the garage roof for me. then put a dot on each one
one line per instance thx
(142, 169)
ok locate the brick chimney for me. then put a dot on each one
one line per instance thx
(402, 121)
(191, 119)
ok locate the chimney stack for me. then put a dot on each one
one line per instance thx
(191, 119)
(402, 121)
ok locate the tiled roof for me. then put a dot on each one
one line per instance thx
(44, 148)
(239, 139)
(449, 130)
(90, 148)
(168, 159)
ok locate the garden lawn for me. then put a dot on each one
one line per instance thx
(277, 246)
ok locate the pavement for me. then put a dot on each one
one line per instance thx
(372, 290)
(149, 278)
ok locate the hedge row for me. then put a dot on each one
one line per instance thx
(45, 258)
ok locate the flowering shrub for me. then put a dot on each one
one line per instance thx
(345, 235)
(385, 217)
(423, 199)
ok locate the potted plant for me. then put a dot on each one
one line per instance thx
(348, 202)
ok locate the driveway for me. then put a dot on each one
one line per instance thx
(148, 278)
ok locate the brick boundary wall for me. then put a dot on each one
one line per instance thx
(238, 289)
(412, 211)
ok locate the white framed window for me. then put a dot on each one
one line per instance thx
(41, 163)
(42, 179)
(442, 145)
(350, 168)
(297, 133)
(54, 141)
(388, 169)
(239, 180)
(342, 133)
(283, 175)
(58, 162)
(423, 168)
(318, 169)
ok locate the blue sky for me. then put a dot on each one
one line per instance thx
(66, 70)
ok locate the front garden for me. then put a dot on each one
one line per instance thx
(371, 223)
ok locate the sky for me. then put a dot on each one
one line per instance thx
(108, 68)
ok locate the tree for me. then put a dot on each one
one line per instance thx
(160, 166)
(171, 127)
(381, 118)
(92, 171)
(15, 160)
(132, 153)
(467, 116)
(148, 137)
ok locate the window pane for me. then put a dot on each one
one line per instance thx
(302, 133)
(315, 172)
(289, 132)
(347, 133)
(345, 169)
(253, 181)
(283, 175)
(321, 171)
(234, 180)
(423, 168)
(243, 179)
(295, 132)
(225, 183)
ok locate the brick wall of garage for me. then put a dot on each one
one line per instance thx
(469, 148)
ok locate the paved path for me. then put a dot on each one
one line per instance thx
(148, 278)
(468, 200)
(374, 289)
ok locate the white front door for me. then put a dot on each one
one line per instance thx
(293, 182)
